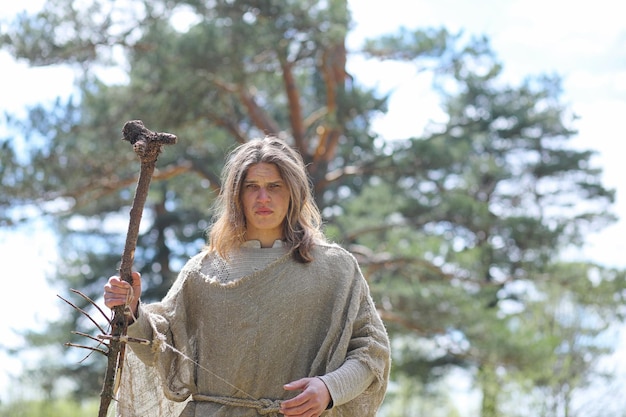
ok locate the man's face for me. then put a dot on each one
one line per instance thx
(265, 200)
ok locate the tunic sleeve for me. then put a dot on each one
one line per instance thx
(142, 329)
(360, 382)
(347, 382)
(156, 323)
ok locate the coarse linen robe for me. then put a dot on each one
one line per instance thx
(226, 349)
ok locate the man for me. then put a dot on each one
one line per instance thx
(269, 318)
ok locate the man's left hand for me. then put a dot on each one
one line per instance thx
(311, 402)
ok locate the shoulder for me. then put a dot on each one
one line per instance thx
(194, 265)
(195, 261)
(339, 269)
(333, 254)
(331, 249)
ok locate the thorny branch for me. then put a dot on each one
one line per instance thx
(103, 337)
(83, 312)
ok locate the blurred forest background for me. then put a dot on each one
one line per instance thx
(460, 231)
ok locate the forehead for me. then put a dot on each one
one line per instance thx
(263, 172)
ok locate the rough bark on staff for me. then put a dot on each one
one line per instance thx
(147, 145)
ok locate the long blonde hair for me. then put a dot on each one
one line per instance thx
(302, 225)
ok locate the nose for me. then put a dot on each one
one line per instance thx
(263, 195)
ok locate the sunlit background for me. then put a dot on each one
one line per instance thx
(583, 42)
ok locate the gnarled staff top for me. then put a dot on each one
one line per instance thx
(146, 143)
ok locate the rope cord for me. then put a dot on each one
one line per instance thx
(160, 343)
(264, 406)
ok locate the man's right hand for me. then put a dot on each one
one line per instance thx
(118, 292)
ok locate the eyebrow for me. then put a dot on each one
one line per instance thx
(278, 181)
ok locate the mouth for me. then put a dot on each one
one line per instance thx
(263, 211)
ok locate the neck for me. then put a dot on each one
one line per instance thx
(267, 241)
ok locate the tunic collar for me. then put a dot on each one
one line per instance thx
(256, 244)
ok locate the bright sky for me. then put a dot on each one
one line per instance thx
(583, 42)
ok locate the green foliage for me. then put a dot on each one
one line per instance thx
(55, 408)
(408, 397)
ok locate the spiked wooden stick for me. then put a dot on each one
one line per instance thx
(147, 145)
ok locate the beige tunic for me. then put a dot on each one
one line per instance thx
(237, 342)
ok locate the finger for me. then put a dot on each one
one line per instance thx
(117, 282)
(136, 277)
(300, 410)
(294, 402)
(298, 400)
(118, 289)
(302, 404)
(112, 300)
(299, 384)
(115, 295)
(311, 402)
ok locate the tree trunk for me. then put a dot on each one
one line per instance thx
(488, 380)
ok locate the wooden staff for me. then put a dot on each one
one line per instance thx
(147, 145)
